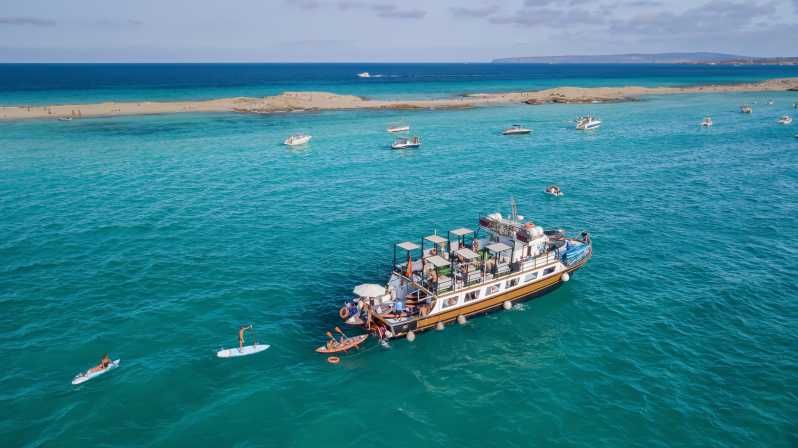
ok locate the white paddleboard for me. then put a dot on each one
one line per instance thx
(86, 376)
(244, 351)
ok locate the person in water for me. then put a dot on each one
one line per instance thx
(241, 336)
(104, 363)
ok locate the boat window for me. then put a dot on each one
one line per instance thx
(451, 301)
(511, 283)
(473, 295)
(548, 271)
(531, 276)
(492, 289)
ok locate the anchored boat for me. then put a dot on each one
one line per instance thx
(587, 123)
(466, 273)
(406, 143)
(785, 119)
(297, 139)
(516, 129)
(746, 109)
(707, 122)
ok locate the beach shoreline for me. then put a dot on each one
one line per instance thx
(321, 101)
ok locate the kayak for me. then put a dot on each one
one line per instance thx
(87, 375)
(244, 351)
(349, 343)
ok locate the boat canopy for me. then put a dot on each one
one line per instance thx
(407, 245)
(467, 253)
(435, 239)
(462, 231)
(438, 261)
(369, 290)
(497, 247)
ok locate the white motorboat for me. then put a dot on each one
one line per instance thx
(707, 122)
(587, 122)
(770, 102)
(785, 119)
(398, 127)
(554, 190)
(406, 143)
(64, 118)
(297, 139)
(746, 109)
(516, 129)
(364, 75)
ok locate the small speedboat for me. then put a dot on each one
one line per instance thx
(516, 129)
(785, 119)
(398, 127)
(587, 122)
(406, 143)
(770, 102)
(707, 122)
(297, 139)
(554, 190)
(364, 75)
(64, 118)
(746, 109)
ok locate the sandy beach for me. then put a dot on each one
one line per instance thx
(316, 101)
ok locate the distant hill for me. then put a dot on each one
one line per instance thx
(632, 58)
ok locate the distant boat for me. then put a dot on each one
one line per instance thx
(587, 122)
(795, 105)
(516, 129)
(406, 143)
(398, 127)
(297, 139)
(746, 109)
(707, 122)
(785, 119)
(364, 75)
(770, 102)
(64, 118)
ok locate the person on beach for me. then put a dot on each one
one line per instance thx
(104, 363)
(241, 336)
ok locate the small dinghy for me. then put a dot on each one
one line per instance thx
(243, 351)
(297, 139)
(88, 375)
(345, 345)
(554, 190)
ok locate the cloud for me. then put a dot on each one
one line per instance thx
(485, 11)
(549, 17)
(26, 21)
(716, 16)
(382, 10)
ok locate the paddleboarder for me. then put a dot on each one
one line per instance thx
(241, 336)
(104, 363)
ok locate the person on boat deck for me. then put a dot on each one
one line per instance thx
(331, 343)
(399, 306)
(241, 335)
(475, 245)
(102, 365)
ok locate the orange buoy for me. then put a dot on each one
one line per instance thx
(333, 359)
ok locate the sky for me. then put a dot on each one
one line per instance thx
(386, 30)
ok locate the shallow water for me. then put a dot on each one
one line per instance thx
(155, 237)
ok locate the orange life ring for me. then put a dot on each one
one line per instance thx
(333, 359)
(343, 312)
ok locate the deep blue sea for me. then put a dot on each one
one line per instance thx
(154, 237)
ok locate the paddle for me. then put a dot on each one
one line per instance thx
(342, 333)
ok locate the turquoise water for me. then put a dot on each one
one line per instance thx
(154, 237)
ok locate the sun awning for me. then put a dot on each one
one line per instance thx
(437, 261)
(461, 231)
(407, 245)
(369, 290)
(497, 247)
(467, 253)
(435, 239)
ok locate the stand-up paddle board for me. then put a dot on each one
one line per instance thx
(243, 351)
(87, 375)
